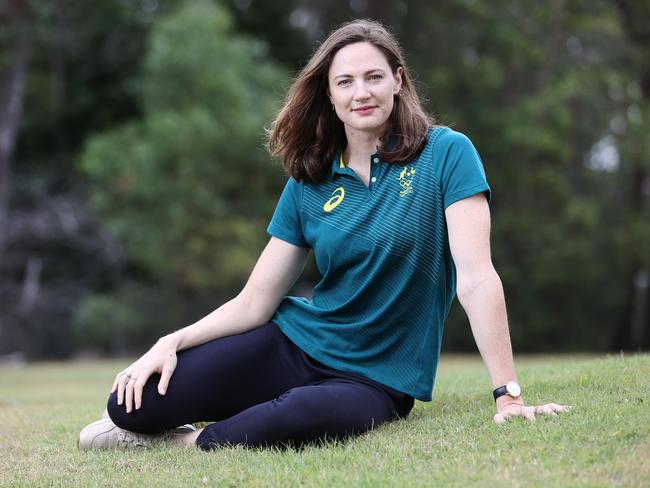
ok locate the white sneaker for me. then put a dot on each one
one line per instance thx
(104, 434)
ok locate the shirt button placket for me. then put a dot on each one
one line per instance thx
(373, 169)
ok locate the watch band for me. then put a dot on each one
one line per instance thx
(511, 388)
(499, 392)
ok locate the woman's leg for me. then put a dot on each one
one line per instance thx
(334, 408)
(216, 380)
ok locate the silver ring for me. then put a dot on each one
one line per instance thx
(132, 378)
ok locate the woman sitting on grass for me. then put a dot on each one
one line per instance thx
(396, 212)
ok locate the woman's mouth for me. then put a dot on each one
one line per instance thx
(367, 110)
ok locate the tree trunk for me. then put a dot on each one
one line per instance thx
(13, 77)
(633, 331)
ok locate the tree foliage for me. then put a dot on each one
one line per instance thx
(187, 190)
(164, 215)
(550, 93)
(537, 87)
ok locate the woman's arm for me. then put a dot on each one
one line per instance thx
(277, 268)
(480, 293)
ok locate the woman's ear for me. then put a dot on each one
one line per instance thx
(398, 79)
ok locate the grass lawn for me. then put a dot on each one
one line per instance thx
(451, 441)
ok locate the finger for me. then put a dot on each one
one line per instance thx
(138, 386)
(499, 419)
(117, 380)
(502, 417)
(551, 409)
(121, 385)
(528, 413)
(559, 408)
(129, 394)
(119, 376)
(545, 409)
(168, 370)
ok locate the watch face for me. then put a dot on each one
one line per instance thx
(513, 389)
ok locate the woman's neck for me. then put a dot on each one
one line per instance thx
(361, 145)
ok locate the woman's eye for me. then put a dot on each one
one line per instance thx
(371, 77)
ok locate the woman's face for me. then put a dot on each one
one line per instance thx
(362, 87)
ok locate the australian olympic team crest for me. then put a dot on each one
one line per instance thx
(406, 180)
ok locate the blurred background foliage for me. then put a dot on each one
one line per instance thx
(135, 189)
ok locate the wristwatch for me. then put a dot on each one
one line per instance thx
(511, 388)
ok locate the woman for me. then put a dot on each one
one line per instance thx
(396, 212)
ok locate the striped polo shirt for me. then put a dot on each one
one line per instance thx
(388, 279)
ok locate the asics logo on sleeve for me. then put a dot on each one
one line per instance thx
(332, 203)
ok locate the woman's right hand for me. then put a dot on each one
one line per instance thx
(161, 358)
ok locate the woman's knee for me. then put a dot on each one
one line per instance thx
(117, 413)
(137, 421)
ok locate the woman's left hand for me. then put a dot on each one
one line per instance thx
(515, 408)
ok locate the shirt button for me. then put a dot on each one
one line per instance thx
(375, 159)
(373, 179)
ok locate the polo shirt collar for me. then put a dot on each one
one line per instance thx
(339, 167)
(337, 164)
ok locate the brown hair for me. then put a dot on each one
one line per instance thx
(307, 132)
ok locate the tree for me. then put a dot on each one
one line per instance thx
(633, 329)
(13, 78)
(548, 93)
(546, 97)
(64, 73)
(188, 189)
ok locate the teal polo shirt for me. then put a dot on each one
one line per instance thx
(388, 279)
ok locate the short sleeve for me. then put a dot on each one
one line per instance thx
(462, 170)
(285, 223)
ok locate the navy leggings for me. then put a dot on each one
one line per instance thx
(260, 389)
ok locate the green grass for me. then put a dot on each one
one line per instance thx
(452, 441)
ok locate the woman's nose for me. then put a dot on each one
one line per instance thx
(360, 90)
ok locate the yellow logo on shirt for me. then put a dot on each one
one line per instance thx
(405, 180)
(333, 202)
